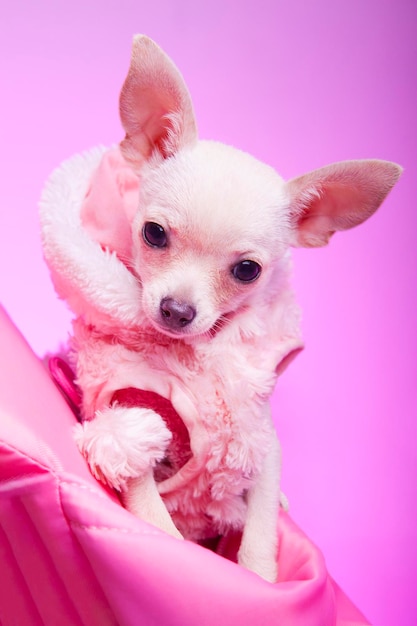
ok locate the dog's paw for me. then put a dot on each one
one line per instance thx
(122, 443)
(264, 566)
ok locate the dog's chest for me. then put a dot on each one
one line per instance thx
(229, 390)
(230, 395)
(227, 383)
(228, 387)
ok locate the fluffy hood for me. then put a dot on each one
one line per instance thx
(85, 211)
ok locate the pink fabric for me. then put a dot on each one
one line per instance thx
(71, 555)
(64, 377)
(111, 203)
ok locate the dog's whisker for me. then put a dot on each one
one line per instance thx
(219, 324)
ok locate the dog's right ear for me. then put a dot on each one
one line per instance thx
(155, 107)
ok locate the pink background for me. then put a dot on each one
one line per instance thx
(299, 84)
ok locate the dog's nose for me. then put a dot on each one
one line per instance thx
(176, 314)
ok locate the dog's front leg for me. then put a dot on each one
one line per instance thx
(142, 498)
(259, 547)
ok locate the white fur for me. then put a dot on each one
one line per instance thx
(218, 207)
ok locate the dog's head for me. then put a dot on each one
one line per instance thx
(213, 223)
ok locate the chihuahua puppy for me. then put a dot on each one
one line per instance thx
(184, 311)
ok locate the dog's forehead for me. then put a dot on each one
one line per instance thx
(215, 189)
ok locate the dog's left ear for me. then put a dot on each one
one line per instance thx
(155, 107)
(337, 197)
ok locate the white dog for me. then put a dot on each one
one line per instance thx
(174, 255)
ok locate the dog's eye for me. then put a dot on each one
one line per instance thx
(154, 235)
(246, 271)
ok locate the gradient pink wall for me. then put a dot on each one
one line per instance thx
(299, 84)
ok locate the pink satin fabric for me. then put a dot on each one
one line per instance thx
(71, 555)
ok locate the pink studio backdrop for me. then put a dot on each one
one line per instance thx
(299, 84)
